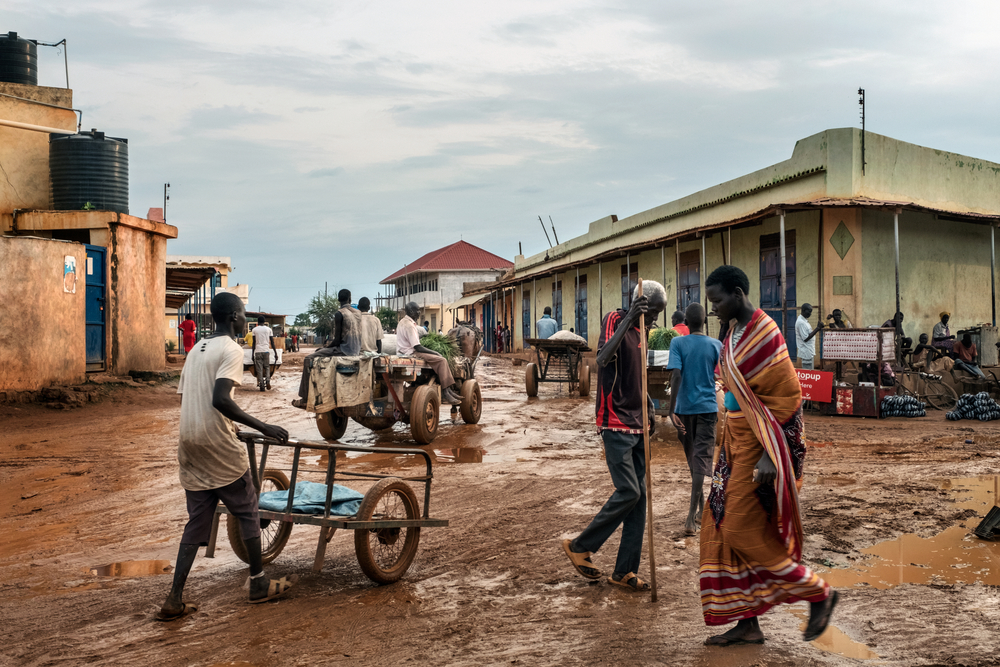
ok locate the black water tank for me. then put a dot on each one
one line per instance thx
(88, 171)
(18, 60)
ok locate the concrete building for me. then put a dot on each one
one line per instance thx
(192, 282)
(835, 203)
(80, 290)
(438, 279)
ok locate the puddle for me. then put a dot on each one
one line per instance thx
(132, 568)
(951, 557)
(835, 641)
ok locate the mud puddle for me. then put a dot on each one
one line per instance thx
(952, 556)
(132, 568)
(835, 641)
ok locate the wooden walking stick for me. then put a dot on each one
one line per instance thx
(645, 441)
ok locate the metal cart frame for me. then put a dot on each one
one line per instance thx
(563, 363)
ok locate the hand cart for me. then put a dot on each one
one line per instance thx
(563, 363)
(386, 526)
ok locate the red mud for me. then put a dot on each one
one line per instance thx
(97, 485)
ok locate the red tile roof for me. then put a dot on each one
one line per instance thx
(460, 256)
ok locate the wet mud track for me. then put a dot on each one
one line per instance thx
(92, 512)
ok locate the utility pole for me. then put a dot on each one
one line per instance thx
(861, 102)
(166, 198)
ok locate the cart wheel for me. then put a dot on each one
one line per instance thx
(385, 554)
(531, 380)
(425, 410)
(273, 534)
(375, 423)
(584, 378)
(331, 425)
(472, 402)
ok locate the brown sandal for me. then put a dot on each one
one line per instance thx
(631, 582)
(581, 561)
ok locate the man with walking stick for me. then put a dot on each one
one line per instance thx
(621, 403)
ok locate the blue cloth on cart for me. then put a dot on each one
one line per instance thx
(310, 498)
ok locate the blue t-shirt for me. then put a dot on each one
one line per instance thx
(546, 327)
(695, 357)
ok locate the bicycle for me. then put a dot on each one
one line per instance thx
(927, 387)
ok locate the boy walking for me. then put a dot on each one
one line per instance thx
(213, 462)
(263, 343)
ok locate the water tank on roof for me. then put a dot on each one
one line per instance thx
(18, 60)
(88, 171)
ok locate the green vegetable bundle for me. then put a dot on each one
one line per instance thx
(659, 338)
(444, 345)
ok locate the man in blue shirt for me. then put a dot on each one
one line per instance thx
(693, 406)
(545, 327)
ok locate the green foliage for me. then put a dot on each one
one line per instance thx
(303, 320)
(659, 338)
(171, 345)
(89, 207)
(322, 308)
(294, 331)
(388, 317)
(444, 345)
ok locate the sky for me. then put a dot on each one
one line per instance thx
(319, 142)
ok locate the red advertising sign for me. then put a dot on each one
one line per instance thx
(816, 385)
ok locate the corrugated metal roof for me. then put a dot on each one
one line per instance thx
(460, 256)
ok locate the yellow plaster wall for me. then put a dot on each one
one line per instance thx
(42, 326)
(850, 265)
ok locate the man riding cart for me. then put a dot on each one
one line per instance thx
(378, 390)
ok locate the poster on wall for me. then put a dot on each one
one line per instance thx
(69, 274)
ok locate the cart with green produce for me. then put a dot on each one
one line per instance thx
(657, 375)
(378, 391)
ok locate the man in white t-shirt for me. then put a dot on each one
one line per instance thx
(263, 344)
(371, 327)
(213, 461)
(805, 343)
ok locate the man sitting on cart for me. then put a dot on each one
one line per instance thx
(408, 344)
(346, 342)
(213, 463)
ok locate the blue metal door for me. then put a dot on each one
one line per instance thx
(96, 256)
(770, 284)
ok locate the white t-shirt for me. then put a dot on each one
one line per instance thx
(407, 335)
(209, 453)
(806, 349)
(371, 331)
(263, 334)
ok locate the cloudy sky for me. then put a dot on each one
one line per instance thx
(319, 141)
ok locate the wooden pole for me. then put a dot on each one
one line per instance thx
(645, 442)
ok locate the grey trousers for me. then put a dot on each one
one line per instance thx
(626, 458)
(262, 367)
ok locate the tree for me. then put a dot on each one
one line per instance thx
(388, 318)
(322, 308)
(303, 320)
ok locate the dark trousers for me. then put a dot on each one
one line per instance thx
(699, 442)
(626, 458)
(239, 497)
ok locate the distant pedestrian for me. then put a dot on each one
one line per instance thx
(620, 398)
(694, 409)
(677, 323)
(213, 463)
(263, 345)
(546, 326)
(805, 343)
(295, 342)
(188, 327)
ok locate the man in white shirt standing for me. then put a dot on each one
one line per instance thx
(805, 343)
(213, 462)
(408, 343)
(263, 343)
(371, 327)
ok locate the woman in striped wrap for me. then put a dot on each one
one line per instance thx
(751, 537)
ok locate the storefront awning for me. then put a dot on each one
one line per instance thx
(468, 301)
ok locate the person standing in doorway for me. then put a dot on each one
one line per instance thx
(188, 327)
(620, 397)
(213, 462)
(805, 342)
(751, 531)
(694, 409)
(263, 345)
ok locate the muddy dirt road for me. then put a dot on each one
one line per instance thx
(886, 509)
